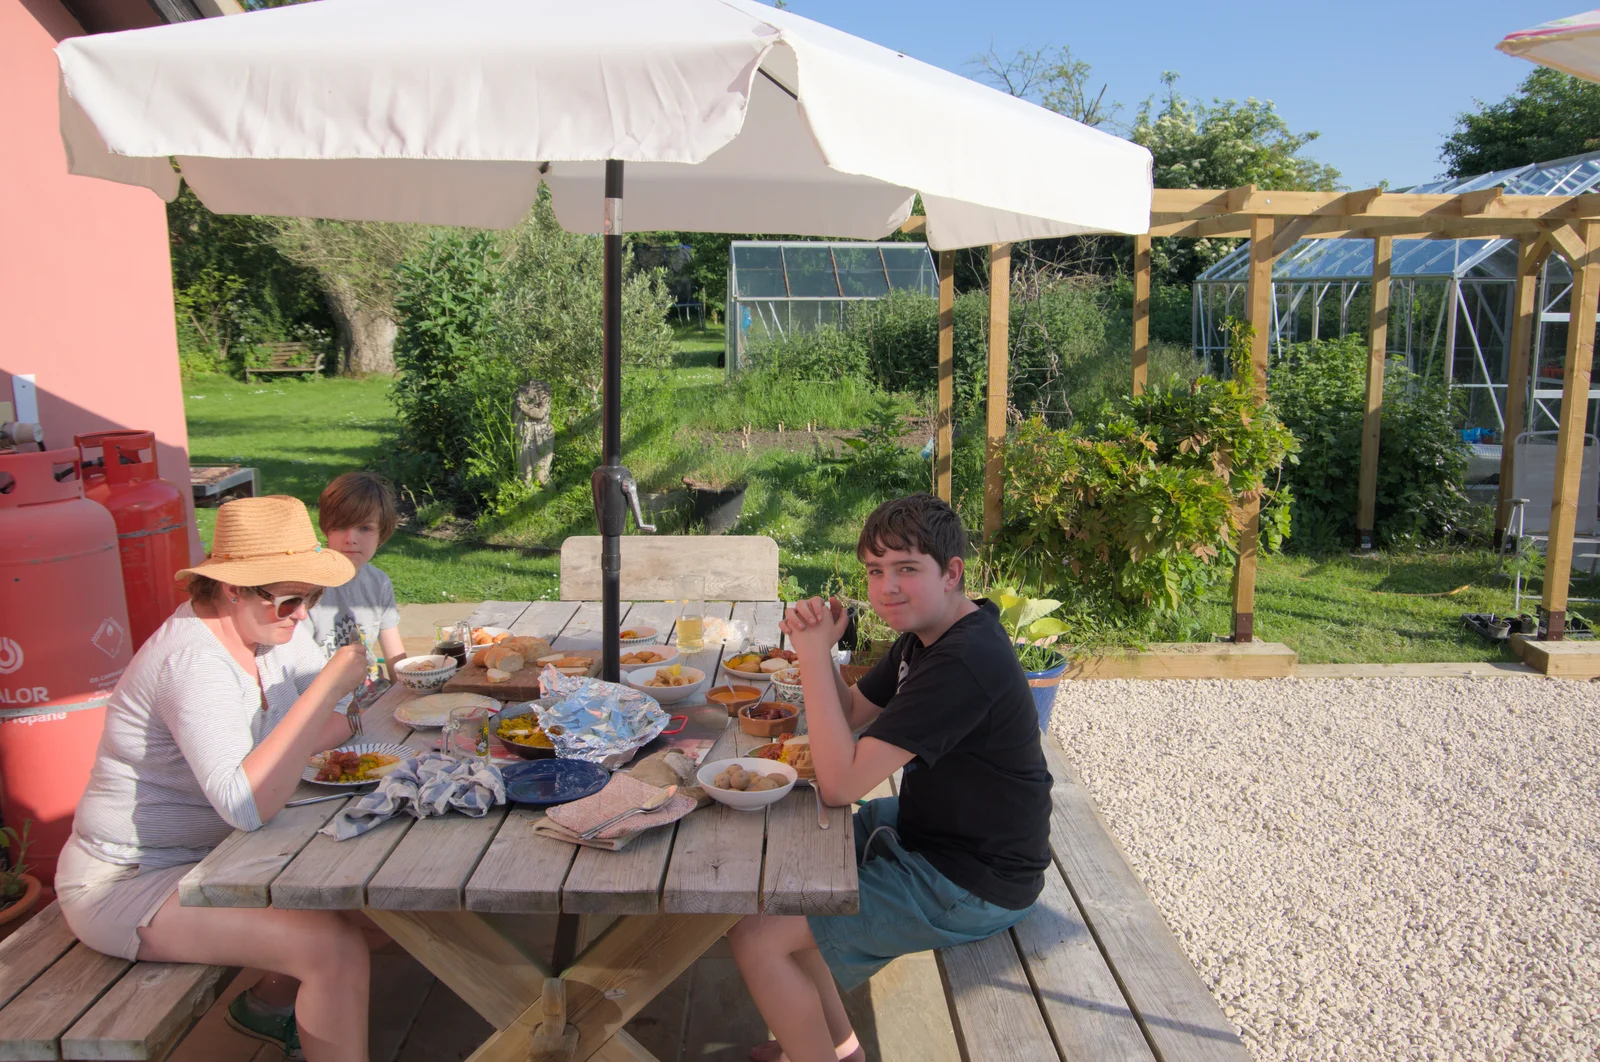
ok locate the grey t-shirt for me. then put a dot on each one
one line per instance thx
(363, 606)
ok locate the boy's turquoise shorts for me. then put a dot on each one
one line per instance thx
(906, 905)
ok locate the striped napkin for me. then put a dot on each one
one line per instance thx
(565, 821)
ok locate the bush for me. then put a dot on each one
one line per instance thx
(1139, 511)
(827, 354)
(1320, 387)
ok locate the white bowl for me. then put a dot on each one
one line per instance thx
(425, 673)
(473, 650)
(668, 694)
(669, 653)
(746, 801)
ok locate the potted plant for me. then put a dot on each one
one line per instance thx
(19, 890)
(716, 491)
(1034, 634)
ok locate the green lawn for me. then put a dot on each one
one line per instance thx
(302, 433)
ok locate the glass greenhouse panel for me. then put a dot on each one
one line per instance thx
(759, 272)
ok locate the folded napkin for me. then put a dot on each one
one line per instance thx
(430, 784)
(564, 822)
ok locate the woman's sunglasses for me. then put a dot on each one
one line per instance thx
(288, 604)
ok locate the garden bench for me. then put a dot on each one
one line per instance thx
(281, 357)
(1093, 972)
(61, 999)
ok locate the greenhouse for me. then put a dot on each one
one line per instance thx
(779, 287)
(1451, 301)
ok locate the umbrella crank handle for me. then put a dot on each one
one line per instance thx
(631, 490)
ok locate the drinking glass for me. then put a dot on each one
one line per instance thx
(690, 591)
(452, 639)
(466, 734)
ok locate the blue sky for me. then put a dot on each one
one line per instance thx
(1382, 82)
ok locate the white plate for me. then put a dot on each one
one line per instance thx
(402, 751)
(434, 709)
(645, 634)
(669, 653)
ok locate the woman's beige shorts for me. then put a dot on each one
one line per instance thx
(107, 903)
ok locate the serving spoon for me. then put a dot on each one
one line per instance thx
(653, 804)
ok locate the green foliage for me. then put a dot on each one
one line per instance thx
(1551, 115)
(1033, 630)
(16, 847)
(824, 354)
(1320, 389)
(1138, 513)
(232, 289)
(875, 457)
(1223, 144)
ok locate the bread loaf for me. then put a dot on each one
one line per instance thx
(503, 658)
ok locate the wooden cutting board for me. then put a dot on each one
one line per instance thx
(522, 686)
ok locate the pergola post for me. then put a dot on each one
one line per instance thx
(947, 375)
(998, 392)
(1259, 300)
(1574, 426)
(1531, 254)
(1372, 418)
(1141, 312)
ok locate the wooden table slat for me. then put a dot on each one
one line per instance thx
(1176, 1010)
(1077, 991)
(618, 883)
(332, 875)
(545, 619)
(31, 1024)
(428, 870)
(809, 871)
(240, 871)
(716, 857)
(522, 872)
(585, 629)
(378, 724)
(497, 614)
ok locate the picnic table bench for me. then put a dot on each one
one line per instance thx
(1093, 972)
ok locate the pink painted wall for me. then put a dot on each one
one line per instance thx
(85, 275)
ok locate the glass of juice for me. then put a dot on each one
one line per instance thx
(690, 592)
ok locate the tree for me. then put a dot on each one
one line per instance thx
(1221, 145)
(1550, 116)
(354, 262)
(1051, 77)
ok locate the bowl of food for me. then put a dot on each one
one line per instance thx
(646, 655)
(425, 673)
(520, 735)
(768, 719)
(635, 635)
(484, 637)
(794, 750)
(668, 683)
(746, 784)
(786, 686)
(734, 697)
(759, 665)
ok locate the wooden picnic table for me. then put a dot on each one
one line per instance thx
(450, 890)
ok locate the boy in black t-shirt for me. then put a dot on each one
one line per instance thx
(960, 854)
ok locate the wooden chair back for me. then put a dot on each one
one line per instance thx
(736, 567)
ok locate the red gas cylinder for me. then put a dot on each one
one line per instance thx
(63, 642)
(152, 523)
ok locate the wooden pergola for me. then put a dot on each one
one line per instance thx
(1273, 222)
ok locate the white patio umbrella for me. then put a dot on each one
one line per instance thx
(729, 116)
(1571, 44)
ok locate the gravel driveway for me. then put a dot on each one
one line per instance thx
(1366, 868)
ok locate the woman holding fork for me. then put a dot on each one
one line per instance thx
(208, 731)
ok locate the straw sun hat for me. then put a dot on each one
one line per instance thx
(269, 540)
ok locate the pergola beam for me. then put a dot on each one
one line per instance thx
(1530, 257)
(1237, 226)
(1189, 204)
(1259, 301)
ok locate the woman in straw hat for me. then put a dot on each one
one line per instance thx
(208, 731)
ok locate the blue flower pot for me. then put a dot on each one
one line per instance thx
(1043, 684)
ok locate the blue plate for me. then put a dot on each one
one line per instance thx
(545, 782)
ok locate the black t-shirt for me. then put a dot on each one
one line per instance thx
(975, 800)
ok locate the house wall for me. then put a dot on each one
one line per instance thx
(85, 272)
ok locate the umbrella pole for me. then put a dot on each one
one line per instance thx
(610, 507)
